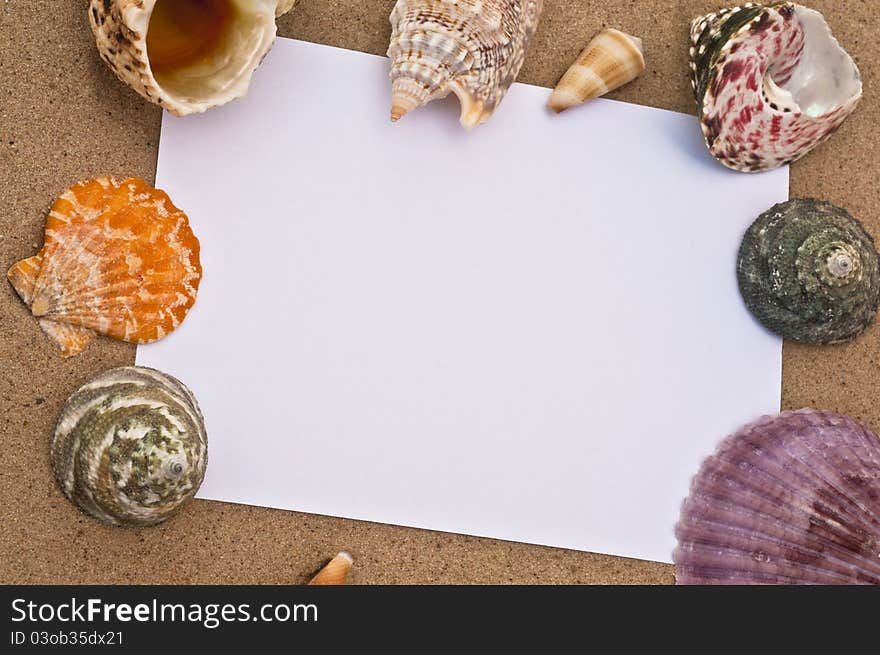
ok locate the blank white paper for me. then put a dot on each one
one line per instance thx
(530, 332)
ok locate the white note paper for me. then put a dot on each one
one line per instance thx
(530, 332)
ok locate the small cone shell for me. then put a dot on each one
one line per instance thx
(335, 572)
(611, 60)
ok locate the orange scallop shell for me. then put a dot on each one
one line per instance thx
(119, 259)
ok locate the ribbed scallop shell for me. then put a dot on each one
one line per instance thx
(130, 448)
(609, 61)
(792, 499)
(810, 272)
(185, 55)
(771, 83)
(473, 48)
(119, 259)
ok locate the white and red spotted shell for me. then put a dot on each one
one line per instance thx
(771, 83)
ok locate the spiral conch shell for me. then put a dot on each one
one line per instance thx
(771, 82)
(186, 55)
(473, 48)
(790, 499)
(810, 272)
(611, 60)
(130, 447)
(119, 259)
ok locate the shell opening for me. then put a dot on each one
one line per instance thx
(826, 77)
(198, 48)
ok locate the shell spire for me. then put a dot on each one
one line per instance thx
(130, 447)
(335, 572)
(473, 48)
(119, 259)
(809, 271)
(611, 60)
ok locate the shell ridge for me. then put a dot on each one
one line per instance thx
(785, 499)
(125, 264)
(733, 523)
(834, 538)
(785, 279)
(129, 448)
(436, 34)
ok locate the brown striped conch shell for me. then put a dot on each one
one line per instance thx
(473, 48)
(130, 447)
(185, 55)
(788, 499)
(611, 60)
(771, 83)
(119, 259)
(335, 572)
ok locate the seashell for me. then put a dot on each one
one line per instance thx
(771, 83)
(185, 55)
(283, 7)
(791, 499)
(130, 448)
(473, 48)
(335, 572)
(119, 259)
(810, 272)
(611, 60)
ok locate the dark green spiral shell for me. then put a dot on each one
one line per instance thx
(810, 272)
(130, 447)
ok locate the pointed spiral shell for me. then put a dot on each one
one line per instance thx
(810, 272)
(790, 499)
(611, 60)
(473, 48)
(130, 448)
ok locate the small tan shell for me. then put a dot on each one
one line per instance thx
(611, 60)
(473, 48)
(335, 572)
(185, 55)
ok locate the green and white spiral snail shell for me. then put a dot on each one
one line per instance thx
(810, 272)
(130, 447)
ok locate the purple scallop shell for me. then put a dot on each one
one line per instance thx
(791, 499)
